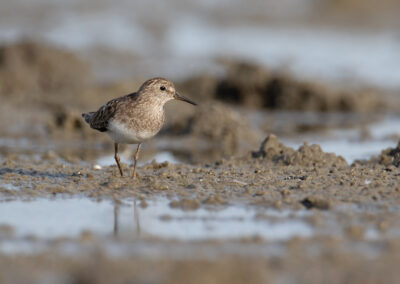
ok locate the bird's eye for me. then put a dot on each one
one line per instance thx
(162, 88)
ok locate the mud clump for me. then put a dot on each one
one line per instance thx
(28, 69)
(306, 156)
(203, 86)
(70, 120)
(390, 156)
(186, 204)
(214, 130)
(6, 231)
(215, 200)
(254, 86)
(226, 132)
(315, 202)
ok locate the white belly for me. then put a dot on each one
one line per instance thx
(121, 134)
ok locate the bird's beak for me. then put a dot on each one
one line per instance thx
(182, 98)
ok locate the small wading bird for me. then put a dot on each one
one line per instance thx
(134, 118)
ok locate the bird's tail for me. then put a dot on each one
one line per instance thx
(88, 116)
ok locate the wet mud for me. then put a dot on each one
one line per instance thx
(273, 174)
(273, 177)
(266, 211)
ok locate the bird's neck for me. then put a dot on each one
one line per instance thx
(154, 107)
(153, 103)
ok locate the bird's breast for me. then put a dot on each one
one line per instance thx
(125, 134)
(135, 128)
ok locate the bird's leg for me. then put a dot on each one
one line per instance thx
(116, 156)
(136, 157)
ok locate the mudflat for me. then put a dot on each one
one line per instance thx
(230, 201)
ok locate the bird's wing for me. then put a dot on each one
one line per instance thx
(101, 118)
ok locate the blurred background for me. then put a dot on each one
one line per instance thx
(316, 71)
(346, 41)
(310, 55)
(336, 59)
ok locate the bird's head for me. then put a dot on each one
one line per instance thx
(163, 90)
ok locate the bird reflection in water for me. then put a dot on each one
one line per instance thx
(136, 219)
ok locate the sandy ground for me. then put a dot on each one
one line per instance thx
(228, 159)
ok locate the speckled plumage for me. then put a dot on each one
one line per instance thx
(136, 117)
(137, 113)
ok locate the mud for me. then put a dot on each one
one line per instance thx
(30, 70)
(280, 175)
(275, 177)
(342, 217)
(334, 265)
(254, 86)
(388, 157)
(306, 155)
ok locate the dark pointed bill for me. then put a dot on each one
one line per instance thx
(182, 98)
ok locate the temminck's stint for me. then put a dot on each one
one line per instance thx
(136, 117)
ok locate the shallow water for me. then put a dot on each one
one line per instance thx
(350, 143)
(159, 158)
(57, 218)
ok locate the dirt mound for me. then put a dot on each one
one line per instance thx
(217, 122)
(67, 120)
(220, 126)
(389, 156)
(307, 155)
(210, 131)
(254, 86)
(28, 68)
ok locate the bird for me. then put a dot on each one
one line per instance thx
(136, 117)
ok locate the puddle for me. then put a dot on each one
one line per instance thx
(49, 219)
(9, 186)
(349, 143)
(159, 158)
(230, 223)
(158, 230)
(349, 150)
(57, 218)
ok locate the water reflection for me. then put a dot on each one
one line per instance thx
(122, 223)
(116, 211)
(59, 218)
(49, 219)
(136, 219)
